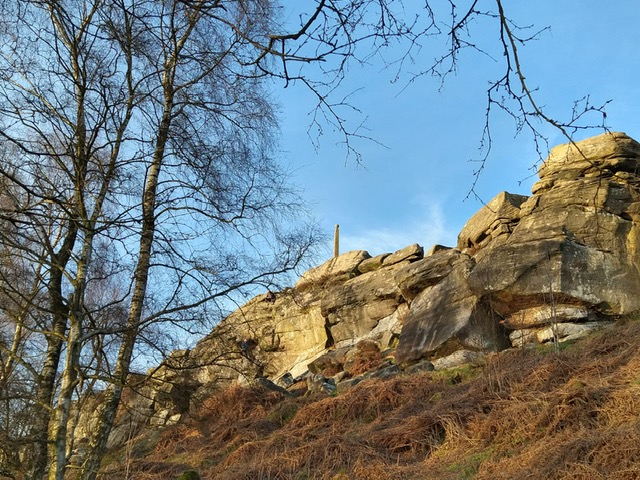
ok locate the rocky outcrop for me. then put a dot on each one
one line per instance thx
(576, 242)
(548, 267)
(446, 315)
(566, 255)
(495, 221)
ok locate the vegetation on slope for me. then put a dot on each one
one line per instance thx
(526, 413)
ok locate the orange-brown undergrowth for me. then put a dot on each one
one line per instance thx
(525, 414)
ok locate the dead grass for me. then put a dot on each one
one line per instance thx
(368, 357)
(529, 414)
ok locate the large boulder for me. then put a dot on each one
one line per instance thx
(338, 268)
(567, 254)
(496, 218)
(524, 275)
(355, 307)
(415, 277)
(373, 263)
(576, 242)
(545, 315)
(594, 157)
(411, 253)
(448, 316)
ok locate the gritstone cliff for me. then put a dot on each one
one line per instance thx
(548, 267)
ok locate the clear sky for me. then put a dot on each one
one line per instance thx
(413, 190)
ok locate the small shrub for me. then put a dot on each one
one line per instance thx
(282, 413)
(189, 475)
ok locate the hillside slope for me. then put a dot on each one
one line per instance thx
(529, 413)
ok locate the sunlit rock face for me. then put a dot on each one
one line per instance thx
(577, 238)
(446, 315)
(566, 254)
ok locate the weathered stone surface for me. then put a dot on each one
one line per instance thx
(579, 228)
(333, 360)
(435, 249)
(543, 315)
(370, 287)
(360, 325)
(526, 275)
(319, 383)
(343, 266)
(610, 151)
(520, 338)
(563, 331)
(384, 372)
(417, 276)
(600, 231)
(495, 218)
(353, 308)
(457, 358)
(387, 329)
(286, 380)
(595, 194)
(567, 331)
(159, 417)
(269, 385)
(345, 385)
(446, 317)
(594, 212)
(410, 253)
(302, 334)
(373, 263)
(300, 364)
(422, 366)
(262, 338)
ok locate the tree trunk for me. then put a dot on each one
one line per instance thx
(69, 376)
(110, 405)
(46, 382)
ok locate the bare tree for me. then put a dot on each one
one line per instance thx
(141, 181)
(191, 196)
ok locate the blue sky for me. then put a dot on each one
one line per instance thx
(413, 190)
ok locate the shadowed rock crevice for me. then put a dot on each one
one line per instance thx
(330, 341)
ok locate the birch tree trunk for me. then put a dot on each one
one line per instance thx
(110, 405)
(59, 449)
(55, 338)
